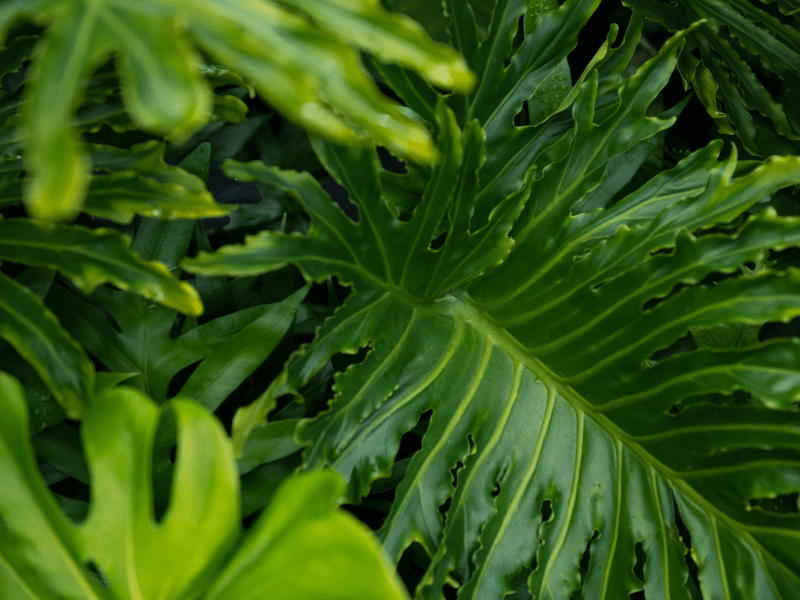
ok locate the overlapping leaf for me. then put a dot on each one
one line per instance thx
(125, 181)
(725, 82)
(535, 364)
(37, 335)
(311, 74)
(301, 546)
(90, 258)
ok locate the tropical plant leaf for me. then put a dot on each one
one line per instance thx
(140, 182)
(133, 181)
(725, 76)
(143, 343)
(551, 429)
(225, 369)
(302, 544)
(34, 332)
(90, 257)
(312, 75)
(269, 442)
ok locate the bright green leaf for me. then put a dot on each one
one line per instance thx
(305, 68)
(302, 546)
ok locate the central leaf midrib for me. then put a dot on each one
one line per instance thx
(459, 304)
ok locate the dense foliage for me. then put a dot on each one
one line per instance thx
(522, 299)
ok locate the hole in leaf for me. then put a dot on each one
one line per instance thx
(586, 556)
(520, 35)
(411, 441)
(450, 593)
(693, 582)
(339, 195)
(445, 507)
(342, 360)
(390, 162)
(684, 344)
(637, 595)
(496, 490)
(96, 575)
(641, 558)
(438, 242)
(547, 511)
(454, 472)
(522, 118)
(782, 504)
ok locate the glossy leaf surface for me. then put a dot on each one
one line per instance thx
(44, 555)
(35, 333)
(529, 331)
(724, 76)
(90, 257)
(307, 70)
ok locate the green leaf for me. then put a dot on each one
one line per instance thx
(60, 446)
(215, 291)
(306, 69)
(140, 182)
(302, 537)
(332, 243)
(706, 89)
(93, 257)
(143, 343)
(301, 547)
(534, 341)
(36, 335)
(731, 335)
(724, 75)
(269, 442)
(226, 368)
(391, 38)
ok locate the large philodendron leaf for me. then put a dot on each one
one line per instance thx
(301, 546)
(534, 356)
(732, 93)
(302, 64)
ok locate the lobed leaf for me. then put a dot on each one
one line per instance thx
(34, 332)
(312, 75)
(550, 427)
(44, 555)
(90, 257)
(724, 75)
